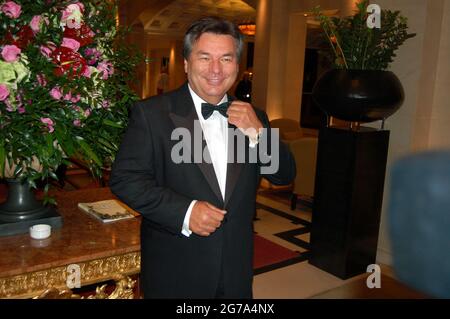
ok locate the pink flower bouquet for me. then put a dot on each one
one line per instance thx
(63, 85)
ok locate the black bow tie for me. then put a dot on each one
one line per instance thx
(208, 109)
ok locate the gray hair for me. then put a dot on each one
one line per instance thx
(212, 25)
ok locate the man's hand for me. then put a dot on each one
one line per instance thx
(242, 115)
(205, 218)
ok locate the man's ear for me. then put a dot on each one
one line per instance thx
(185, 66)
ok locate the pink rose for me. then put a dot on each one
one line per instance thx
(77, 123)
(11, 9)
(71, 44)
(4, 92)
(80, 5)
(49, 123)
(45, 51)
(35, 24)
(71, 15)
(73, 24)
(56, 93)
(75, 98)
(21, 109)
(10, 53)
(71, 10)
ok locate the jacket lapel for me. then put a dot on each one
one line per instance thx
(233, 167)
(183, 114)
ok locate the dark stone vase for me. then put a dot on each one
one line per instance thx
(359, 95)
(21, 210)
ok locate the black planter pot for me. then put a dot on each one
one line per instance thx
(21, 204)
(21, 210)
(359, 95)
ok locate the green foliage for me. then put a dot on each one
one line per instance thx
(39, 130)
(355, 46)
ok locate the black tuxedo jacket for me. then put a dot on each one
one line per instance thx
(145, 178)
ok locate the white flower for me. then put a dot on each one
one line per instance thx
(15, 72)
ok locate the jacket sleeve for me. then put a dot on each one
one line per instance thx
(277, 164)
(133, 177)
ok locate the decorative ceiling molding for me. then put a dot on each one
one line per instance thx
(175, 16)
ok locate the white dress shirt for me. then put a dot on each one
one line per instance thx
(215, 133)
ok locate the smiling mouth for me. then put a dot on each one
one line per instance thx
(214, 81)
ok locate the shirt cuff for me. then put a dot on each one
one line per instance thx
(185, 230)
(254, 141)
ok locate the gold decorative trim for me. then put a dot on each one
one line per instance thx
(53, 293)
(123, 290)
(94, 271)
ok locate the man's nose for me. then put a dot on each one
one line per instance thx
(215, 66)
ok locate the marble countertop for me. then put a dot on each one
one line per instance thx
(80, 239)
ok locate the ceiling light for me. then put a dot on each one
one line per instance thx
(248, 28)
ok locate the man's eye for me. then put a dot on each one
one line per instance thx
(227, 59)
(204, 58)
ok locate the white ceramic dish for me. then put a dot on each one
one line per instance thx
(40, 231)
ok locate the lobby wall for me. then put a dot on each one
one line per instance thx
(280, 53)
(440, 116)
(422, 65)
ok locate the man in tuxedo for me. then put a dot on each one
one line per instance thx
(197, 215)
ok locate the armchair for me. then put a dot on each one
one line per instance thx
(303, 144)
(304, 151)
(289, 129)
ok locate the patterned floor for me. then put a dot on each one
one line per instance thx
(277, 223)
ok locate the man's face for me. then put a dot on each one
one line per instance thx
(212, 66)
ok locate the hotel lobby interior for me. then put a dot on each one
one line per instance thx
(346, 227)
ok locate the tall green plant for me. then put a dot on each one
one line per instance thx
(355, 46)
